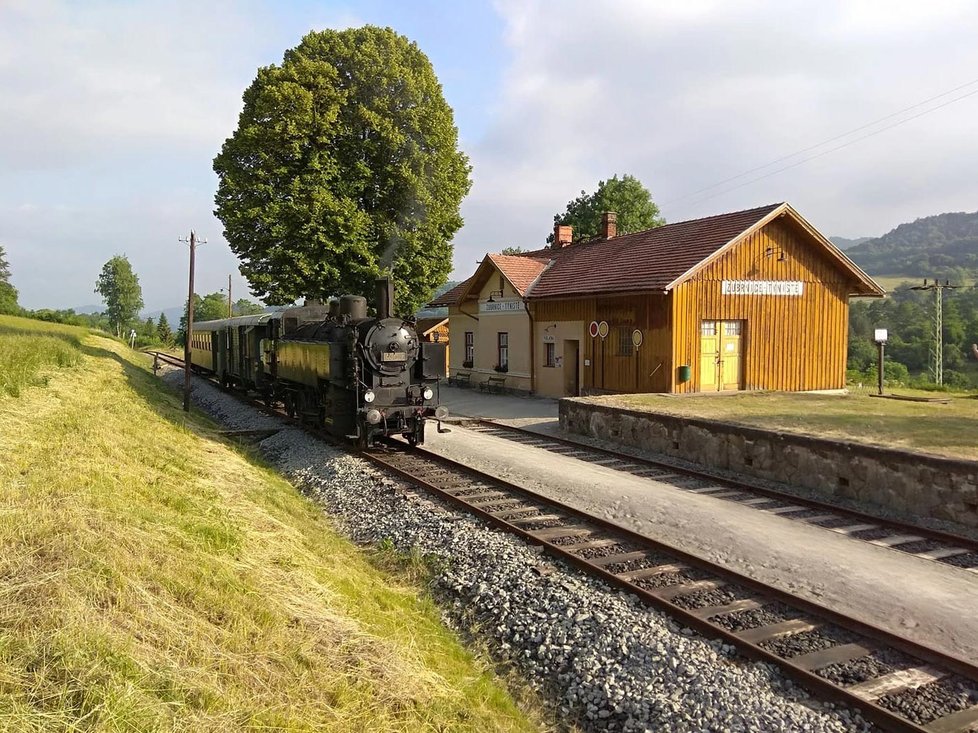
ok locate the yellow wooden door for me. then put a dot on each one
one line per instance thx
(709, 356)
(730, 353)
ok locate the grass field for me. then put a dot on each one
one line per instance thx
(154, 578)
(30, 350)
(942, 429)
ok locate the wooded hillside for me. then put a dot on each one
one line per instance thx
(944, 246)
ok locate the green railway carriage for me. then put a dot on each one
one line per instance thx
(240, 350)
(204, 339)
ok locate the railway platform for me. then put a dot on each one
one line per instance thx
(527, 412)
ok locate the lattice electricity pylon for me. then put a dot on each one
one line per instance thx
(937, 351)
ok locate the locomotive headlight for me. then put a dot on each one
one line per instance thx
(427, 394)
(373, 416)
(369, 396)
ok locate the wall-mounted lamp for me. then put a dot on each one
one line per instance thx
(493, 293)
(550, 327)
(771, 250)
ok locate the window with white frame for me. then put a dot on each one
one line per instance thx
(550, 355)
(469, 347)
(502, 340)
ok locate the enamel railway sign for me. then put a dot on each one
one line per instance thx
(593, 329)
(603, 329)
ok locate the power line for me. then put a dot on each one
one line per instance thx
(833, 139)
(824, 152)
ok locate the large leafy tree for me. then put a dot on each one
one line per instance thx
(626, 196)
(119, 288)
(345, 164)
(8, 293)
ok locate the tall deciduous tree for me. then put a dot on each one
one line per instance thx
(626, 196)
(345, 163)
(119, 288)
(8, 293)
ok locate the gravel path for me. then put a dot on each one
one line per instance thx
(606, 661)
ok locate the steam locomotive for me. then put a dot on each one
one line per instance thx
(360, 377)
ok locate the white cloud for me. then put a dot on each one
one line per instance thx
(684, 95)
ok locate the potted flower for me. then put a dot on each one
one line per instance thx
(504, 368)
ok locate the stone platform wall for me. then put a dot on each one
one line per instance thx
(909, 483)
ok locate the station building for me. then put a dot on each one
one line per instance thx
(749, 300)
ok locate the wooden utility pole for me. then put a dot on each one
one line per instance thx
(193, 241)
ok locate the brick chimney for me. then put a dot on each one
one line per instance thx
(609, 225)
(563, 235)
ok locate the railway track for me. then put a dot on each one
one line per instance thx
(898, 684)
(927, 544)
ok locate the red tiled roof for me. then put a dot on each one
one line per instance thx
(450, 297)
(522, 269)
(648, 260)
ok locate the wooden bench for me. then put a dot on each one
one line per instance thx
(493, 383)
(461, 379)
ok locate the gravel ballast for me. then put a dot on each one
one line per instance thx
(605, 660)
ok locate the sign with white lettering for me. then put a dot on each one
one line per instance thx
(762, 287)
(500, 306)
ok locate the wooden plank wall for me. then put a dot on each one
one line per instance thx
(790, 342)
(649, 367)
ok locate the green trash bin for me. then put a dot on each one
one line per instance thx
(685, 372)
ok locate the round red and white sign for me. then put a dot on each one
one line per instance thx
(593, 329)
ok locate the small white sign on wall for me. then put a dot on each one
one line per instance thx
(500, 306)
(549, 338)
(762, 287)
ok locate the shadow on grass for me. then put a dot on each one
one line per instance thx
(167, 402)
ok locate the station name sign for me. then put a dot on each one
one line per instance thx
(500, 306)
(762, 287)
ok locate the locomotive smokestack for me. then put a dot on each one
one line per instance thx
(385, 297)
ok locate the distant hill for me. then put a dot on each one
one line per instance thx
(944, 246)
(845, 243)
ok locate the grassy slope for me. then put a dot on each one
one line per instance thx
(949, 430)
(28, 347)
(153, 579)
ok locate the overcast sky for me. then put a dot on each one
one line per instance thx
(112, 112)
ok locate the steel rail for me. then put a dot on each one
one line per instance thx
(806, 677)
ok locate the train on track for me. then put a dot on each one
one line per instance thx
(360, 377)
